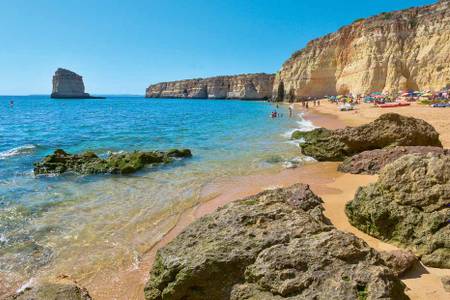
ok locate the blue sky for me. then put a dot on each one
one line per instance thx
(123, 46)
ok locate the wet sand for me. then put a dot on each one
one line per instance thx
(335, 189)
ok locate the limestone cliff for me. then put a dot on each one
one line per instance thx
(408, 49)
(68, 84)
(245, 86)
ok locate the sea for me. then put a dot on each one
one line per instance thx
(83, 225)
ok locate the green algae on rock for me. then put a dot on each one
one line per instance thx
(275, 245)
(89, 163)
(409, 206)
(388, 130)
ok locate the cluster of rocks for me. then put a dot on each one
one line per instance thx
(389, 130)
(275, 245)
(409, 204)
(89, 163)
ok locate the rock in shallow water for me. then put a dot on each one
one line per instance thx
(388, 130)
(275, 245)
(60, 290)
(371, 162)
(409, 206)
(89, 163)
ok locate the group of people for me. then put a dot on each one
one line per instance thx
(276, 114)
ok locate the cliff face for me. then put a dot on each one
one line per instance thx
(408, 49)
(68, 84)
(246, 86)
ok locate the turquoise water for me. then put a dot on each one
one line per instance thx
(60, 223)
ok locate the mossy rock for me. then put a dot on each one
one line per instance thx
(408, 206)
(89, 163)
(388, 130)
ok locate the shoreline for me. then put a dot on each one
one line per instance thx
(333, 187)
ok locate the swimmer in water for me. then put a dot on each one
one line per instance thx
(11, 103)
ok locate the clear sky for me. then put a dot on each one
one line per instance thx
(121, 46)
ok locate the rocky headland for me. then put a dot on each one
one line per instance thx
(69, 85)
(89, 163)
(409, 206)
(388, 130)
(393, 51)
(275, 245)
(245, 86)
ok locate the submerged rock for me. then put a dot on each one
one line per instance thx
(275, 245)
(388, 130)
(61, 290)
(372, 161)
(409, 206)
(89, 163)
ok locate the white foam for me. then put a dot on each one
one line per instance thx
(17, 151)
(3, 238)
(26, 285)
(303, 125)
(296, 161)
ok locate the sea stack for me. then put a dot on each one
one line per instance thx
(69, 85)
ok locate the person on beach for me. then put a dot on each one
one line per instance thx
(291, 109)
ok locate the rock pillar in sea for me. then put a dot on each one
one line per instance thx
(68, 84)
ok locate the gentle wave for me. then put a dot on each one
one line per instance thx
(296, 161)
(303, 125)
(25, 149)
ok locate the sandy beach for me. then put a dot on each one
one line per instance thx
(335, 188)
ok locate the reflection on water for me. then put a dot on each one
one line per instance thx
(84, 226)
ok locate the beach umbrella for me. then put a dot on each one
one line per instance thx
(405, 94)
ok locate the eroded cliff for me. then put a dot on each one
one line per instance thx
(245, 86)
(408, 49)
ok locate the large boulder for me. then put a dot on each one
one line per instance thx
(275, 245)
(89, 163)
(409, 206)
(62, 289)
(372, 161)
(388, 130)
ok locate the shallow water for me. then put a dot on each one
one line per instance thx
(83, 226)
